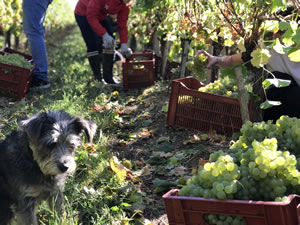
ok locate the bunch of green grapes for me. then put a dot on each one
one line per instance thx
(259, 172)
(223, 86)
(216, 179)
(286, 130)
(15, 60)
(198, 66)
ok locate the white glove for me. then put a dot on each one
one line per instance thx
(108, 41)
(127, 52)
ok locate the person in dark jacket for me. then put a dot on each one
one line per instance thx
(98, 20)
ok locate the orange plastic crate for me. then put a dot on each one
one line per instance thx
(14, 81)
(191, 210)
(192, 109)
(139, 70)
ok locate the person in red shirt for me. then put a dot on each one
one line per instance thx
(98, 20)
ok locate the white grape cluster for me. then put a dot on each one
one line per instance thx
(224, 86)
(286, 130)
(198, 66)
(15, 60)
(258, 166)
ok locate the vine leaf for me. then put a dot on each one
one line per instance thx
(268, 104)
(294, 54)
(260, 57)
(276, 82)
(278, 47)
(296, 38)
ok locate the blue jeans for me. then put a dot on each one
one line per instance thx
(34, 12)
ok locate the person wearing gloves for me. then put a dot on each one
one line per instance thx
(282, 68)
(96, 20)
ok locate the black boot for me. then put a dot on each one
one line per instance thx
(108, 62)
(95, 63)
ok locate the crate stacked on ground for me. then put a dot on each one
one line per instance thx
(139, 70)
(193, 210)
(14, 80)
(192, 109)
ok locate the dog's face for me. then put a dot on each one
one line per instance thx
(53, 138)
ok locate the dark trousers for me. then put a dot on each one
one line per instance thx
(92, 40)
(288, 96)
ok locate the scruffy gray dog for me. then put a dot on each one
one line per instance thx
(35, 161)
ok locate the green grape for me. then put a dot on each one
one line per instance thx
(230, 166)
(221, 195)
(197, 192)
(207, 166)
(228, 189)
(219, 187)
(186, 190)
(215, 172)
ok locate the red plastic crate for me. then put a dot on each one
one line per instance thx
(192, 109)
(191, 210)
(14, 81)
(138, 70)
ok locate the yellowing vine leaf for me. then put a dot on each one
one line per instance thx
(260, 57)
(118, 168)
(294, 55)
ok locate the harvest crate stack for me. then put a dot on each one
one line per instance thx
(139, 70)
(14, 80)
(191, 210)
(192, 109)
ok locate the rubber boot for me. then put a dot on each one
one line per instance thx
(108, 62)
(95, 63)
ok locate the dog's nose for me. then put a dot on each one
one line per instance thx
(63, 167)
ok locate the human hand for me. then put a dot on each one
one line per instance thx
(127, 52)
(108, 41)
(211, 60)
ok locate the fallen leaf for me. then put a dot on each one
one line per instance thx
(178, 171)
(90, 147)
(163, 154)
(118, 168)
(97, 108)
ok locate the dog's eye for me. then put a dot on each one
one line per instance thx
(52, 145)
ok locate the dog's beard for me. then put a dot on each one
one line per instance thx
(50, 165)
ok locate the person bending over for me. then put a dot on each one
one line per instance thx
(98, 20)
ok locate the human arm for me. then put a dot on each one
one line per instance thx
(122, 19)
(224, 61)
(94, 11)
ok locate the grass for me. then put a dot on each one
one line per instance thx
(95, 194)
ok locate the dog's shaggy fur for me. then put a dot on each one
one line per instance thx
(34, 162)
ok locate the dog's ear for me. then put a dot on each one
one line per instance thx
(79, 124)
(32, 126)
